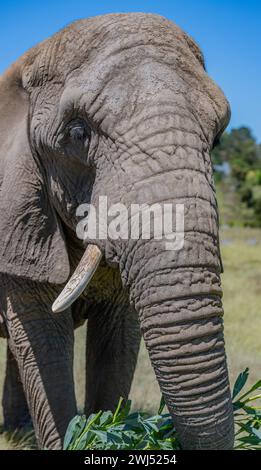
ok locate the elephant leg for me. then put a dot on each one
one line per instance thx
(42, 344)
(113, 340)
(15, 408)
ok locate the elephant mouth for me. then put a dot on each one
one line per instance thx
(80, 278)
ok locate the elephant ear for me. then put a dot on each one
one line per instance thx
(32, 243)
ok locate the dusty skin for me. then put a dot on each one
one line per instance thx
(118, 106)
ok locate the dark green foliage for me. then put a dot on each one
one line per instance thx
(139, 430)
(239, 150)
(121, 430)
(247, 416)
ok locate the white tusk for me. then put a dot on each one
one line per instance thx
(80, 278)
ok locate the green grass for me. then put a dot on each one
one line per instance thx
(242, 303)
(232, 211)
(242, 300)
(17, 440)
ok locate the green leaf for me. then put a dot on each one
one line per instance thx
(253, 440)
(102, 435)
(256, 386)
(106, 418)
(114, 437)
(125, 410)
(167, 444)
(257, 432)
(83, 441)
(240, 382)
(166, 425)
(252, 411)
(127, 439)
(162, 405)
(74, 429)
(134, 421)
(90, 418)
(118, 409)
(149, 425)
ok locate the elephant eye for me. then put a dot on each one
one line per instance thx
(75, 139)
(78, 132)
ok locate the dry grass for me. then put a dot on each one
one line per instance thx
(242, 300)
(241, 253)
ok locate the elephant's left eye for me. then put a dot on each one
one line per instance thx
(75, 139)
(78, 132)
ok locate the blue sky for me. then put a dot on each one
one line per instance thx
(228, 31)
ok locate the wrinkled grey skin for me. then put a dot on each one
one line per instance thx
(140, 84)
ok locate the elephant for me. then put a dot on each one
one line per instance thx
(118, 106)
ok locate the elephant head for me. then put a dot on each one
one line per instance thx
(121, 106)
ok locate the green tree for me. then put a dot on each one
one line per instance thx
(239, 149)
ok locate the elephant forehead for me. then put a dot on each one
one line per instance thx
(119, 61)
(100, 38)
(106, 35)
(121, 88)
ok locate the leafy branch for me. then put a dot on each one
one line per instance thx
(140, 431)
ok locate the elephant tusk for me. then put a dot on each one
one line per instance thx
(80, 278)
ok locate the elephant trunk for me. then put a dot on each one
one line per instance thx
(177, 291)
(180, 314)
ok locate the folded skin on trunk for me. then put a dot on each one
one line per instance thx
(177, 295)
(183, 330)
